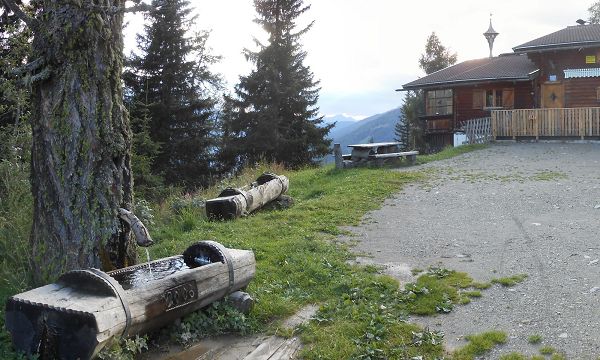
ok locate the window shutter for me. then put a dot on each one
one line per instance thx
(478, 96)
(508, 98)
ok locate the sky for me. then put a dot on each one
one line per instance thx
(362, 50)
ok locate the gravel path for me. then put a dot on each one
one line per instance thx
(509, 209)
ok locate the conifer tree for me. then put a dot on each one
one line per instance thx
(274, 114)
(436, 57)
(171, 98)
(409, 131)
(15, 48)
(594, 11)
(80, 158)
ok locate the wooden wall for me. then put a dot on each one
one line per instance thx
(555, 62)
(578, 92)
(582, 92)
(463, 99)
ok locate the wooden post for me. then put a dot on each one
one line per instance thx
(494, 124)
(337, 153)
(514, 126)
(84, 310)
(233, 203)
(581, 124)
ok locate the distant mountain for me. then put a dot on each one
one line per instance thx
(343, 124)
(377, 128)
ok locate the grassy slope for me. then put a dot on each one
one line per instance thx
(298, 263)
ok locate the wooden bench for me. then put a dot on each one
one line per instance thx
(411, 156)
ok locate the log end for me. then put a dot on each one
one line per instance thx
(53, 333)
(223, 208)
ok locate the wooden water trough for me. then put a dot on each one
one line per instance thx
(84, 310)
(234, 203)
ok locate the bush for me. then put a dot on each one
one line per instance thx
(16, 207)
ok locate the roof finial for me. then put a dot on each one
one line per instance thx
(490, 35)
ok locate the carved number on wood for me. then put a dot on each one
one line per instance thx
(181, 295)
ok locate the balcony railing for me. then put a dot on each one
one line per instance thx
(546, 123)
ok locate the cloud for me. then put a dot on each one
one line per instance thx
(362, 50)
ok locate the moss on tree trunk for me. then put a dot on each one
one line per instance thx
(81, 172)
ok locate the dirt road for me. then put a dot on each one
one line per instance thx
(506, 210)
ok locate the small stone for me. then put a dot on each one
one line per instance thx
(593, 262)
(594, 289)
(597, 206)
(563, 335)
(536, 224)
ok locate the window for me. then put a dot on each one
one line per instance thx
(493, 98)
(439, 102)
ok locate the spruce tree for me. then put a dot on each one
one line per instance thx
(436, 57)
(274, 115)
(171, 97)
(594, 11)
(409, 128)
(15, 49)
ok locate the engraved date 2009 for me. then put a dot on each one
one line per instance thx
(181, 295)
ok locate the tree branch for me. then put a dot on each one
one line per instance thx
(10, 4)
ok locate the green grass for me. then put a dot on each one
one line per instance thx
(547, 350)
(549, 176)
(534, 339)
(437, 291)
(299, 262)
(479, 345)
(510, 280)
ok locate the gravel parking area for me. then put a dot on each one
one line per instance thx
(531, 208)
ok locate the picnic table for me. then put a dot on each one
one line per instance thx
(378, 152)
(365, 151)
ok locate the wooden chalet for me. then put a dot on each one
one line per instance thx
(556, 77)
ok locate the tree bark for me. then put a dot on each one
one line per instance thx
(81, 171)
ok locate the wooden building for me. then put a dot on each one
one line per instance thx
(559, 70)
(569, 66)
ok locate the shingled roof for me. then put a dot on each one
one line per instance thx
(509, 67)
(570, 37)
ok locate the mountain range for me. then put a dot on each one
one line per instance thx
(377, 128)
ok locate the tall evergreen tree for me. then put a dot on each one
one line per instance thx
(81, 173)
(15, 49)
(436, 57)
(409, 128)
(594, 11)
(273, 115)
(171, 97)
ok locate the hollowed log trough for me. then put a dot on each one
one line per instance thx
(234, 203)
(84, 310)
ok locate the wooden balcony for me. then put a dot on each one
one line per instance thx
(439, 126)
(547, 123)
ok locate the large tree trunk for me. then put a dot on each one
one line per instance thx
(81, 173)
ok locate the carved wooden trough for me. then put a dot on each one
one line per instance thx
(78, 315)
(233, 203)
